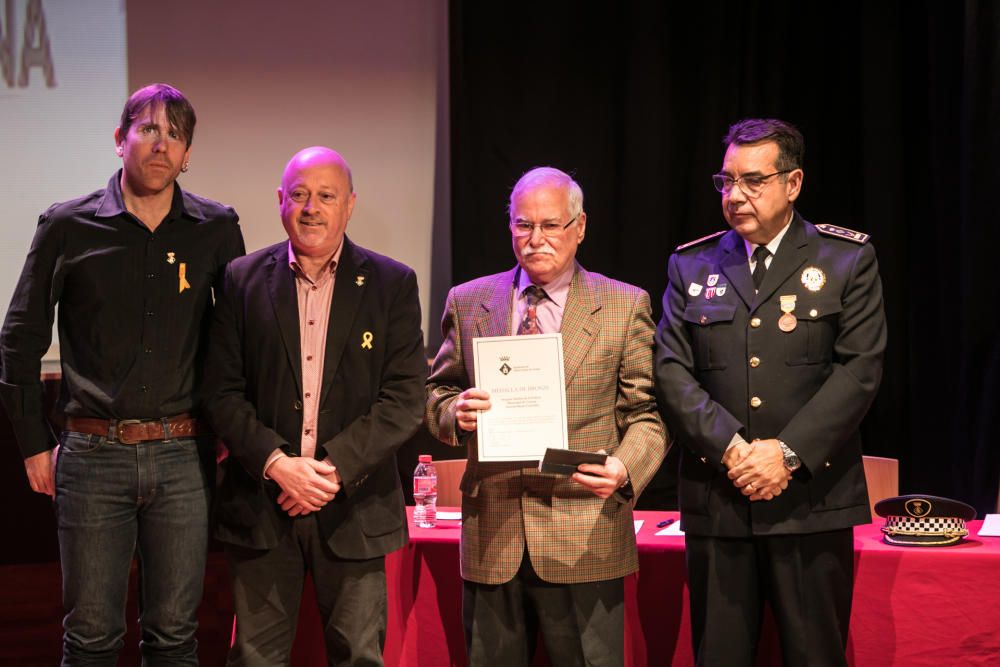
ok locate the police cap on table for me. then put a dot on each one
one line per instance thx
(924, 521)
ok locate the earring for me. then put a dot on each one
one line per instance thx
(185, 167)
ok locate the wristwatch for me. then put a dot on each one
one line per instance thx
(792, 460)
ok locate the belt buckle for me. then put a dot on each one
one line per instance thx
(119, 434)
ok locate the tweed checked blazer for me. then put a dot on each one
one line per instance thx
(571, 535)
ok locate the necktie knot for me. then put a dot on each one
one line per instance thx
(760, 255)
(529, 323)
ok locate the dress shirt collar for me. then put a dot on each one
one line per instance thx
(772, 246)
(113, 204)
(556, 290)
(293, 262)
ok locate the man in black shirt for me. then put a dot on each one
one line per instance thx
(132, 268)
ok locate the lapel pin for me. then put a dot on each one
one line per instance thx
(183, 284)
(366, 340)
(171, 258)
(359, 281)
(694, 289)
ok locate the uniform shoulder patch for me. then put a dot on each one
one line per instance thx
(844, 233)
(691, 244)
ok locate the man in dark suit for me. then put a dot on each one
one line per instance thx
(769, 354)
(316, 374)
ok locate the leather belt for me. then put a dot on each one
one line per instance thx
(132, 431)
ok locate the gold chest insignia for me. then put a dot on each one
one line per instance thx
(813, 278)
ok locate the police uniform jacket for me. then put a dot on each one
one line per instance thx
(723, 366)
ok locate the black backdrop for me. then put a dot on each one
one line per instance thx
(899, 103)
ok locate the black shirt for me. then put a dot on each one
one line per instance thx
(134, 309)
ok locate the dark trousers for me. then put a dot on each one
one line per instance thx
(807, 579)
(267, 590)
(581, 624)
(112, 501)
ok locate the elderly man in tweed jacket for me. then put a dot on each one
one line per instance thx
(542, 552)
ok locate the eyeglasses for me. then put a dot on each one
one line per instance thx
(751, 184)
(521, 228)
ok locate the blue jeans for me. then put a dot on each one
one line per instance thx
(113, 500)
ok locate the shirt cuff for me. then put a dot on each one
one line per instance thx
(275, 455)
(737, 439)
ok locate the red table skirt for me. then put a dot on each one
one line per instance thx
(912, 606)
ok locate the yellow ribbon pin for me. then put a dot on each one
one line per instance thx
(366, 340)
(183, 284)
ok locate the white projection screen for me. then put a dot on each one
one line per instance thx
(266, 79)
(58, 110)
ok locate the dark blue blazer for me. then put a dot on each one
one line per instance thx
(813, 384)
(371, 402)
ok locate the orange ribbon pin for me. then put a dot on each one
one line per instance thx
(181, 273)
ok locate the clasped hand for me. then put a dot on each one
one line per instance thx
(758, 469)
(306, 484)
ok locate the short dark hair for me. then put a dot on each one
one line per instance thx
(180, 113)
(791, 145)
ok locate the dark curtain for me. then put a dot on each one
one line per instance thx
(899, 103)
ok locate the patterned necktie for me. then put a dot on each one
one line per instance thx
(760, 254)
(529, 324)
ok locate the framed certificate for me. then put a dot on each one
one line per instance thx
(526, 381)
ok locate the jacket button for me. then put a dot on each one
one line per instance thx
(703, 319)
(755, 402)
(755, 322)
(298, 404)
(754, 362)
(827, 464)
(813, 313)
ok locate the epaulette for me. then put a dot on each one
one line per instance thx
(844, 233)
(691, 244)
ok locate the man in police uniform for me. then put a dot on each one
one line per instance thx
(769, 355)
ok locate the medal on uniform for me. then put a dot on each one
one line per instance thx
(813, 278)
(787, 322)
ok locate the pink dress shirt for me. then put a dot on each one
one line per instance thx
(315, 299)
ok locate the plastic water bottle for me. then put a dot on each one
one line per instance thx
(425, 492)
